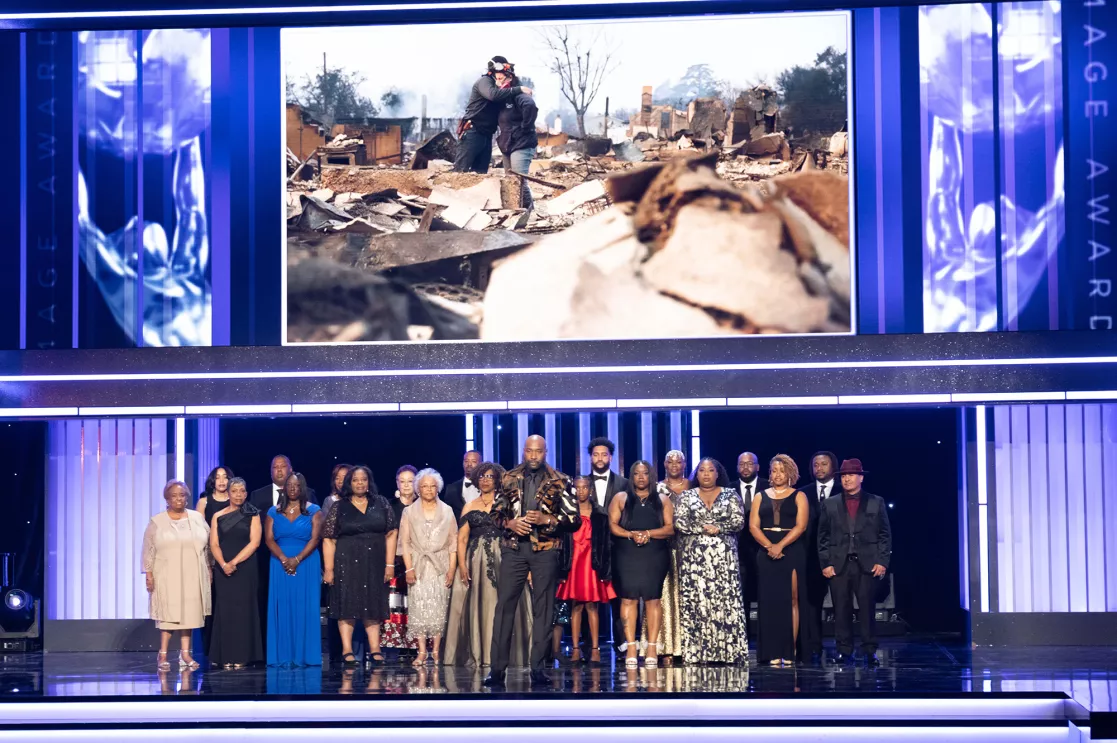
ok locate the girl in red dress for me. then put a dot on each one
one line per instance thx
(587, 564)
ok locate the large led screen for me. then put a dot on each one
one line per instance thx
(675, 178)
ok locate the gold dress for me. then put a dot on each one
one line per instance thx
(669, 643)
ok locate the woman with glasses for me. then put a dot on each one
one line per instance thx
(469, 632)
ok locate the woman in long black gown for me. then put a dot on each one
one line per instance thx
(360, 552)
(642, 522)
(214, 498)
(234, 537)
(777, 520)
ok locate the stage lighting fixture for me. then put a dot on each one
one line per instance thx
(17, 600)
(19, 621)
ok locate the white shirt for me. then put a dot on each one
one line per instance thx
(275, 495)
(751, 485)
(824, 490)
(600, 487)
(469, 491)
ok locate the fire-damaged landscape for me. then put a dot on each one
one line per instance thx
(684, 215)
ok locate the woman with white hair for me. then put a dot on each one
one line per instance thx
(176, 561)
(429, 541)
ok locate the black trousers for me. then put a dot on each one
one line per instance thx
(854, 581)
(475, 152)
(514, 568)
(812, 593)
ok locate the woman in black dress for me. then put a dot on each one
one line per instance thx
(777, 520)
(214, 498)
(642, 522)
(360, 552)
(234, 536)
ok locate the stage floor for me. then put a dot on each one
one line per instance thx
(923, 682)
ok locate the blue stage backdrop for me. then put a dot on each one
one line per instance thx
(150, 191)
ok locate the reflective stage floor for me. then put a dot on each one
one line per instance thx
(923, 690)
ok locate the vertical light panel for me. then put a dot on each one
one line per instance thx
(208, 450)
(1095, 509)
(1059, 578)
(695, 439)
(982, 448)
(583, 442)
(675, 430)
(1039, 508)
(613, 431)
(180, 449)
(647, 437)
(1002, 466)
(1109, 470)
(104, 482)
(550, 431)
(469, 435)
(487, 430)
(521, 435)
(1076, 507)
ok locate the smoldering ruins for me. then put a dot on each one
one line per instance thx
(695, 220)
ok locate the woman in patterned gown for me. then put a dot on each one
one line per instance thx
(429, 541)
(469, 632)
(708, 519)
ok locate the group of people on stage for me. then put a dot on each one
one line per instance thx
(483, 571)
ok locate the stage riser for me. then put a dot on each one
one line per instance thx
(866, 733)
(584, 712)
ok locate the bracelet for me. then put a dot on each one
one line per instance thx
(409, 570)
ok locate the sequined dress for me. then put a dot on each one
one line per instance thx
(469, 631)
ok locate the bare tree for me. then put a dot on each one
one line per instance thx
(581, 62)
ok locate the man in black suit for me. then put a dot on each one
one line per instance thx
(264, 498)
(854, 549)
(748, 485)
(824, 465)
(462, 491)
(604, 485)
(268, 496)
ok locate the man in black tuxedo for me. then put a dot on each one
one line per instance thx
(462, 491)
(854, 549)
(604, 484)
(824, 465)
(749, 484)
(264, 498)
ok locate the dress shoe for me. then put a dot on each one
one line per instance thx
(872, 661)
(495, 680)
(539, 678)
(845, 658)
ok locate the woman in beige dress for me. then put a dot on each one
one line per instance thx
(177, 563)
(429, 552)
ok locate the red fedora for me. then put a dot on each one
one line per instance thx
(852, 467)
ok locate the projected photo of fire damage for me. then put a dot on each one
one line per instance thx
(682, 178)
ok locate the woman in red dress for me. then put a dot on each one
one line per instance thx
(586, 561)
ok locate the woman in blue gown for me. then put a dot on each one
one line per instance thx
(292, 531)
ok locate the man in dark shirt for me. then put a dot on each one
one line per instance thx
(535, 507)
(854, 549)
(479, 122)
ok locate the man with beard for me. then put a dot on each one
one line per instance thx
(479, 122)
(604, 485)
(536, 507)
(749, 486)
(462, 491)
(823, 465)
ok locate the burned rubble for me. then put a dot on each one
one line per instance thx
(717, 224)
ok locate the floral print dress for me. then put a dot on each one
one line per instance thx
(711, 610)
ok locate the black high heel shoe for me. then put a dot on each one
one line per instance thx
(349, 660)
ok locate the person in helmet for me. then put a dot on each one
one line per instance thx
(479, 122)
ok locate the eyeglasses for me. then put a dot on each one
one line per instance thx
(487, 476)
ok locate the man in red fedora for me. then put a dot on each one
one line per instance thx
(854, 549)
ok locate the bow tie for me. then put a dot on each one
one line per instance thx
(467, 481)
(601, 477)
